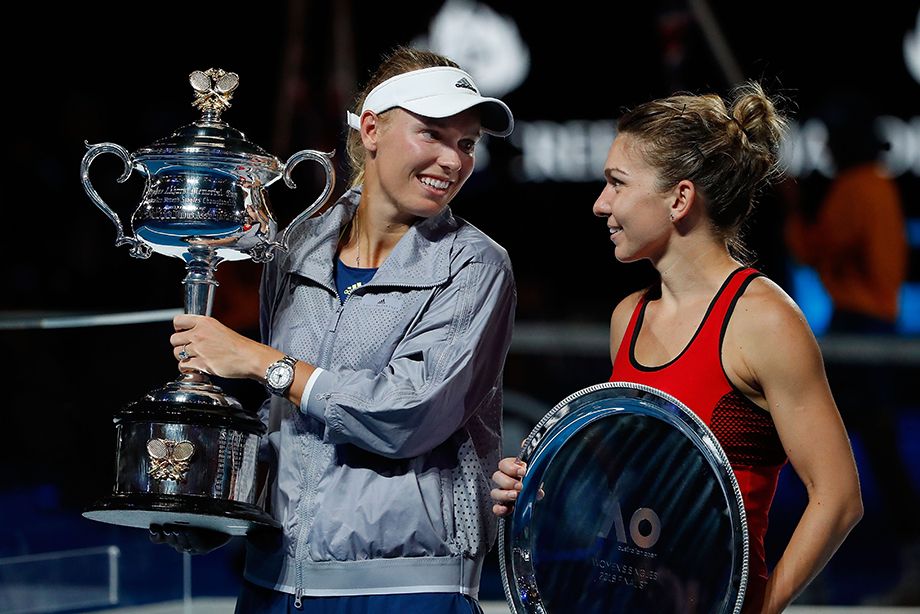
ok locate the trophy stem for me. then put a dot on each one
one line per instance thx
(193, 386)
(199, 280)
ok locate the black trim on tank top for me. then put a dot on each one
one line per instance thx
(635, 335)
(728, 316)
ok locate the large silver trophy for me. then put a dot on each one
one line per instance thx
(186, 452)
(629, 505)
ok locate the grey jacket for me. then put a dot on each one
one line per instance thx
(381, 478)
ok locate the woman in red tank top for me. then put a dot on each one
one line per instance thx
(682, 176)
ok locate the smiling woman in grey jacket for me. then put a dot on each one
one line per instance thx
(385, 332)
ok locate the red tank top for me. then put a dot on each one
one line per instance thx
(697, 378)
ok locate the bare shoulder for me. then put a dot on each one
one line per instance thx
(768, 336)
(766, 310)
(624, 310)
(619, 321)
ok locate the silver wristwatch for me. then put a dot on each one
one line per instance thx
(280, 375)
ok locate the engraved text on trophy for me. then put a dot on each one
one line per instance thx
(203, 201)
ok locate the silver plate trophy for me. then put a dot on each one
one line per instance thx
(186, 452)
(629, 505)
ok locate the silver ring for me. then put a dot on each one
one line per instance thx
(183, 355)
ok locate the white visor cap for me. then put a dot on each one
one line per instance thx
(436, 92)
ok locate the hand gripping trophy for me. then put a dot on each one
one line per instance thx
(186, 452)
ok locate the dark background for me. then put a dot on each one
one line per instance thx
(76, 74)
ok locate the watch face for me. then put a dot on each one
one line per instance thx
(280, 375)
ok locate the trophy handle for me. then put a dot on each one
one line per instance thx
(325, 159)
(138, 248)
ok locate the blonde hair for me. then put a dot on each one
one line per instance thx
(396, 62)
(730, 153)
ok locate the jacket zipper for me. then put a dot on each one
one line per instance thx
(309, 495)
(298, 598)
(312, 458)
(338, 314)
(322, 357)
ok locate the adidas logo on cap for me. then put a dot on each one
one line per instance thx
(465, 83)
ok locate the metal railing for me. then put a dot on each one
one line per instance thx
(534, 338)
(62, 580)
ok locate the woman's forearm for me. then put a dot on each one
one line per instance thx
(823, 527)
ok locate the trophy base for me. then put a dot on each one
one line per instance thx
(143, 510)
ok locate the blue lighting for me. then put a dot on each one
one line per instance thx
(909, 318)
(913, 232)
(813, 300)
(811, 297)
